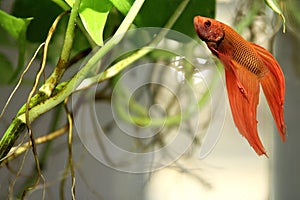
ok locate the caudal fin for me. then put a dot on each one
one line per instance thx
(243, 93)
(274, 88)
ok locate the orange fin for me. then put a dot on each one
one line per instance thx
(243, 104)
(274, 88)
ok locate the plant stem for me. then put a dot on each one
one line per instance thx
(62, 64)
(18, 124)
(119, 66)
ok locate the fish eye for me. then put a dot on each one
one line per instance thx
(207, 23)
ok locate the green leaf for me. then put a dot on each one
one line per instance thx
(275, 7)
(16, 27)
(6, 69)
(43, 12)
(62, 4)
(93, 15)
(122, 5)
(114, 20)
(116, 15)
(155, 14)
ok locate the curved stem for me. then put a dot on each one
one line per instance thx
(18, 124)
(62, 64)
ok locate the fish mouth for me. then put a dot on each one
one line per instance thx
(197, 22)
(199, 29)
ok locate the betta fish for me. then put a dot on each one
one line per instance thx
(247, 66)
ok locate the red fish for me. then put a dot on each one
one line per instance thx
(247, 65)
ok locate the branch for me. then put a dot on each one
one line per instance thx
(19, 122)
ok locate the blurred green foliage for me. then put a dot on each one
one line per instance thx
(30, 20)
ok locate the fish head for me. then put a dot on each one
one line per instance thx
(209, 30)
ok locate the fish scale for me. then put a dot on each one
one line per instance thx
(244, 54)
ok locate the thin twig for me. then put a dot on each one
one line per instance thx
(62, 64)
(27, 120)
(21, 79)
(16, 151)
(12, 185)
(70, 138)
(17, 126)
(32, 101)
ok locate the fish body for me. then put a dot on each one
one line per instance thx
(247, 66)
